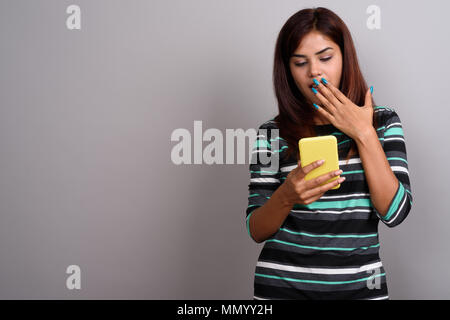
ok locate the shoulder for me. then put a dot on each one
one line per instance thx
(269, 129)
(268, 124)
(386, 115)
(390, 125)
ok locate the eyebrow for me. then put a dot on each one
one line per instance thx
(303, 56)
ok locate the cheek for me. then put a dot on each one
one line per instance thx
(333, 71)
(336, 68)
(295, 74)
(333, 68)
(299, 77)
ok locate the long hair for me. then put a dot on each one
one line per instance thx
(295, 117)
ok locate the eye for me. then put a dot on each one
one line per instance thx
(300, 64)
(303, 63)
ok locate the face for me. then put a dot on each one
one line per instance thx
(316, 57)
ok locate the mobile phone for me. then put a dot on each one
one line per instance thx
(316, 148)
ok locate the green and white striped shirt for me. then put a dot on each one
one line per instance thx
(328, 249)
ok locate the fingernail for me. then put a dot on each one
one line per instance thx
(316, 82)
(324, 80)
(338, 172)
(314, 90)
(315, 105)
(371, 89)
(320, 161)
(341, 179)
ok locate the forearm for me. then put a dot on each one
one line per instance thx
(381, 180)
(266, 220)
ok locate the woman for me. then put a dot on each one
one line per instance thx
(322, 243)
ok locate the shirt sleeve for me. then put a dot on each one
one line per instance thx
(394, 147)
(264, 176)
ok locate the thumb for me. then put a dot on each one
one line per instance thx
(368, 100)
(298, 168)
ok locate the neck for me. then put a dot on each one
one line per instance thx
(321, 121)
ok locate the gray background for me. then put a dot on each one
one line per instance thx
(86, 118)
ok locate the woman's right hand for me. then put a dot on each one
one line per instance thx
(298, 190)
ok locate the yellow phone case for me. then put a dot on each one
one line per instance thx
(316, 148)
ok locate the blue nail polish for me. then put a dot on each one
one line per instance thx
(316, 82)
(314, 90)
(324, 81)
(315, 105)
(371, 89)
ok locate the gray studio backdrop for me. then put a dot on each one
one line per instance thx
(86, 176)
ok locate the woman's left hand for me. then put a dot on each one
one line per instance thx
(351, 119)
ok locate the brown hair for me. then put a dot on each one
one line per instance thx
(295, 118)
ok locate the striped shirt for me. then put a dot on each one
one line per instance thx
(328, 249)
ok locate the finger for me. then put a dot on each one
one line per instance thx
(322, 189)
(298, 168)
(325, 102)
(328, 94)
(325, 113)
(296, 171)
(310, 167)
(313, 199)
(310, 184)
(368, 100)
(336, 92)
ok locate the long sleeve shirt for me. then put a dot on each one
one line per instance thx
(328, 249)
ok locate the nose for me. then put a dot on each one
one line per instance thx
(316, 74)
(314, 70)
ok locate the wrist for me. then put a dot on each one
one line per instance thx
(366, 134)
(283, 196)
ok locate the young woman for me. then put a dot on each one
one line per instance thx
(322, 243)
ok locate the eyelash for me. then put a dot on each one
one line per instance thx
(303, 63)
